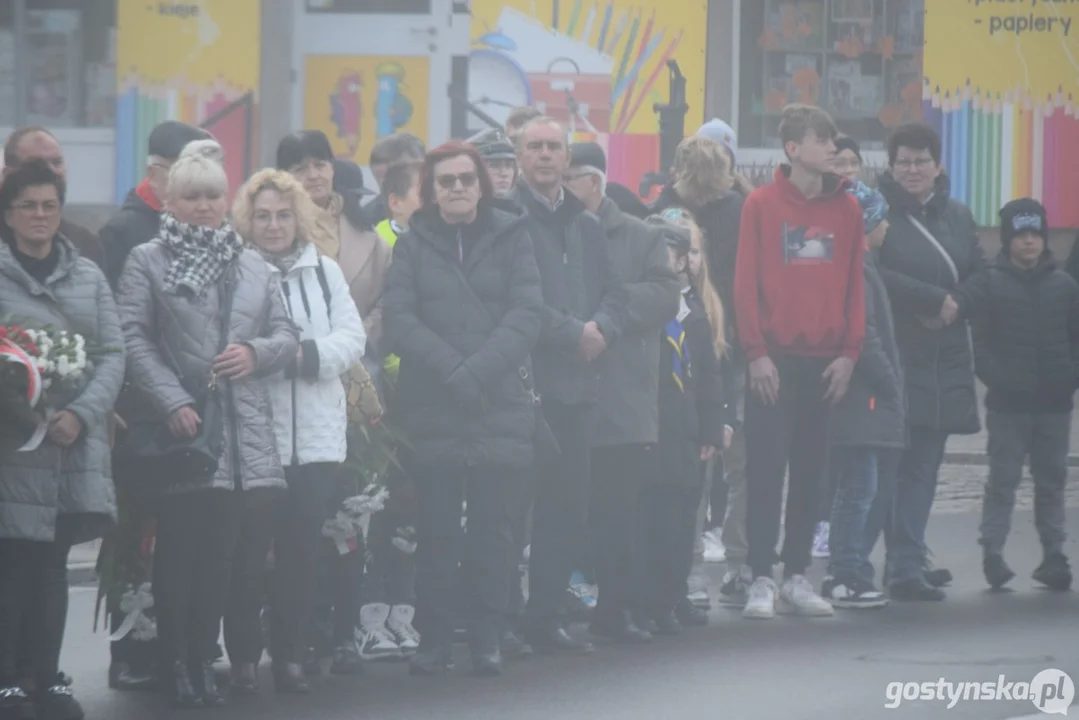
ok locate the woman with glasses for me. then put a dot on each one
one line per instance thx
(463, 310)
(205, 326)
(930, 251)
(61, 493)
(275, 215)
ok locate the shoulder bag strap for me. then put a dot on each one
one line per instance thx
(936, 245)
(327, 296)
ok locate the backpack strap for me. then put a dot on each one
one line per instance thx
(323, 283)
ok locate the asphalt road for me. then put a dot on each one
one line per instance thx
(804, 669)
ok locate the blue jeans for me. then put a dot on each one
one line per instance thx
(915, 489)
(878, 520)
(854, 470)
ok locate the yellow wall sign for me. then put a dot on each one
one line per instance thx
(195, 61)
(357, 99)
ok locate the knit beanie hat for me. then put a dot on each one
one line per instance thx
(1023, 215)
(874, 206)
(848, 143)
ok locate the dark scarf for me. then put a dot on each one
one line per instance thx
(201, 254)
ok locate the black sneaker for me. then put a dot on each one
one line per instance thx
(59, 703)
(16, 705)
(1054, 572)
(852, 595)
(916, 590)
(689, 615)
(997, 572)
(513, 647)
(938, 577)
(735, 588)
(667, 624)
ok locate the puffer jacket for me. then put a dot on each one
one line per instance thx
(37, 486)
(939, 364)
(135, 223)
(629, 378)
(872, 413)
(463, 331)
(172, 339)
(308, 401)
(1026, 336)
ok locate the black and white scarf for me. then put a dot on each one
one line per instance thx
(201, 254)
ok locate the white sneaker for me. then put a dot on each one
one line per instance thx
(799, 598)
(714, 552)
(854, 594)
(761, 601)
(820, 540)
(400, 624)
(375, 639)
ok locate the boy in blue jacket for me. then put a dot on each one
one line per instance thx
(868, 434)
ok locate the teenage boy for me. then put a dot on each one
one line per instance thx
(1026, 351)
(401, 186)
(868, 432)
(800, 309)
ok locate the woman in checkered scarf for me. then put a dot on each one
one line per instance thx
(205, 324)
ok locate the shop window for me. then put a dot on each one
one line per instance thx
(67, 74)
(859, 59)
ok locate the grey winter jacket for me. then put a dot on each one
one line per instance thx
(872, 413)
(172, 339)
(629, 369)
(36, 487)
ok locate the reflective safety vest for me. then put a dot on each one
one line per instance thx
(386, 232)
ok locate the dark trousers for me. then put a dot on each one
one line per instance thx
(560, 538)
(1013, 437)
(130, 549)
(298, 516)
(718, 490)
(33, 608)
(247, 588)
(521, 533)
(195, 551)
(619, 473)
(879, 521)
(390, 577)
(337, 604)
(792, 431)
(916, 487)
(483, 558)
(666, 525)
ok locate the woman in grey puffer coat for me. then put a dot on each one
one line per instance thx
(171, 301)
(60, 493)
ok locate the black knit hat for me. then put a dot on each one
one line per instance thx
(676, 236)
(1020, 216)
(169, 138)
(848, 143)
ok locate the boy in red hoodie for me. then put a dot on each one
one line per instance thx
(800, 309)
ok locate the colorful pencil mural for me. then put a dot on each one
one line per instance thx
(200, 67)
(597, 65)
(1005, 105)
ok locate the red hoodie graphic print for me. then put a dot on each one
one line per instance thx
(798, 277)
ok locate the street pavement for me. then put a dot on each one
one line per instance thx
(803, 669)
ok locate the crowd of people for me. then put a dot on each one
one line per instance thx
(604, 390)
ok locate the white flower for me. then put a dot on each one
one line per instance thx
(63, 366)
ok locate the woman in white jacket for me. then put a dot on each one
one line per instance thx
(275, 214)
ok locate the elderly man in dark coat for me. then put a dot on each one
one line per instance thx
(624, 446)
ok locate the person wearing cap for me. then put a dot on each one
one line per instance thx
(1026, 350)
(848, 158)
(624, 456)
(501, 160)
(137, 221)
(690, 414)
(867, 434)
(37, 143)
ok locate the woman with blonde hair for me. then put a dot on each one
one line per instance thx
(204, 325)
(275, 215)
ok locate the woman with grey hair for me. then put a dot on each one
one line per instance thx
(204, 324)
